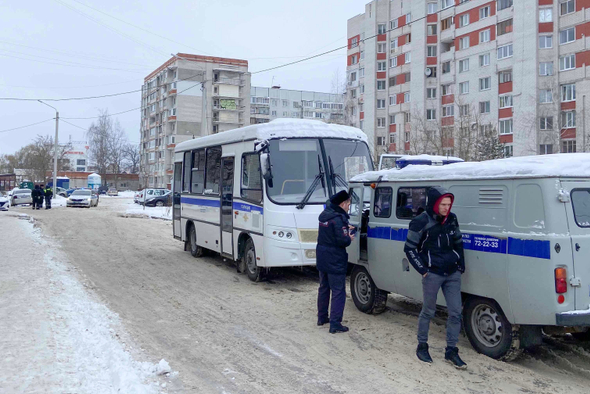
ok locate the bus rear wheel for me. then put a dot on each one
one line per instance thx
(196, 250)
(254, 272)
(488, 330)
(366, 296)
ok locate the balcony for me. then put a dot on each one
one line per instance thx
(229, 81)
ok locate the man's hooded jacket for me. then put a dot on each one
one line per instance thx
(333, 238)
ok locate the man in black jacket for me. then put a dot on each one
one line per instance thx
(332, 260)
(37, 197)
(435, 249)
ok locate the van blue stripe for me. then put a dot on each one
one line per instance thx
(540, 249)
(200, 201)
(240, 206)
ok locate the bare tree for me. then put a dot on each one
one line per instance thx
(131, 157)
(107, 142)
(116, 145)
(339, 88)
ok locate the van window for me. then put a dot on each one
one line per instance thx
(251, 180)
(581, 204)
(198, 171)
(213, 173)
(410, 202)
(529, 210)
(187, 172)
(383, 200)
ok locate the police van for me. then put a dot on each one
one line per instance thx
(526, 233)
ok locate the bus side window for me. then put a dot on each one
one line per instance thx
(251, 186)
(383, 200)
(410, 202)
(213, 172)
(198, 172)
(187, 172)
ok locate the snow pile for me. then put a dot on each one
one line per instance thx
(125, 194)
(58, 201)
(556, 165)
(150, 212)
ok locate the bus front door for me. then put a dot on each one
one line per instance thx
(227, 198)
(176, 226)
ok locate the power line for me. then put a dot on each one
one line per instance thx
(29, 125)
(71, 124)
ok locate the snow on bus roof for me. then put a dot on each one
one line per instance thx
(278, 128)
(429, 157)
(556, 165)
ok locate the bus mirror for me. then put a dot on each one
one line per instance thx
(265, 168)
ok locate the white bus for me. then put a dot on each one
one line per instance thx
(254, 194)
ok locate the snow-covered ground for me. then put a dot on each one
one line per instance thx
(56, 337)
(151, 212)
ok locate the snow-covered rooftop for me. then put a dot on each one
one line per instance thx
(278, 128)
(429, 157)
(557, 165)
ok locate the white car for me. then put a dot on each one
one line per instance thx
(82, 198)
(4, 203)
(138, 196)
(21, 196)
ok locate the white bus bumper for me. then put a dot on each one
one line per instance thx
(288, 254)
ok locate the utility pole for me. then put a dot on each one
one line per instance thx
(55, 147)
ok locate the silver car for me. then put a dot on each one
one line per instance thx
(82, 198)
(21, 196)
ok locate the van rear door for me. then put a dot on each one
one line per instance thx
(578, 217)
(356, 214)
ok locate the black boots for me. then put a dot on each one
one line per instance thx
(422, 353)
(323, 320)
(337, 327)
(452, 356)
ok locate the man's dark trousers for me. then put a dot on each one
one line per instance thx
(337, 284)
(47, 202)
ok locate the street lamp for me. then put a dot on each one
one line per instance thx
(54, 149)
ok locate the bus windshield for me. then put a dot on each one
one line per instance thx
(295, 165)
(346, 159)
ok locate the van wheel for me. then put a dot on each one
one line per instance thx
(196, 250)
(366, 296)
(254, 272)
(159, 203)
(489, 331)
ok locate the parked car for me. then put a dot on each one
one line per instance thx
(150, 194)
(112, 192)
(21, 196)
(160, 200)
(70, 191)
(138, 196)
(60, 191)
(4, 202)
(83, 198)
(103, 189)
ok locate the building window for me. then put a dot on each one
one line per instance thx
(381, 28)
(545, 42)
(568, 92)
(393, 24)
(407, 117)
(393, 62)
(545, 96)
(446, 89)
(484, 36)
(381, 66)
(392, 119)
(446, 67)
(353, 76)
(546, 123)
(352, 95)
(392, 138)
(432, 8)
(484, 12)
(502, 4)
(431, 50)
(546, 68)
(464, 110)
(431, 93)
(380, 141)
(393, 45)
(566, 36)
(484, 107)
(80, 162)
(431, 114)
(505, 76)
(380, 103)
(484, 60)
(381, 85)
(464, 42)
(506, 126)
(545, 15)
(508, 151)
(505, 101)
(408, 57)
(406, 97)
(463, 20)
(485, 83)
(566, 7)
(362, 55)
(504, 27)
(431, 30)
(505, 51)
(568, 119)
(381, 47)
(446, 23)
(381, 122)
(408, 18)
(568, 146)
(448, 110)
(545, 149)
(463, 65)
(392, 81)
(567, 62)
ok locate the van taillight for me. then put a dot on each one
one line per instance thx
(560, 280)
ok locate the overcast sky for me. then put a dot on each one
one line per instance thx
(63, 48)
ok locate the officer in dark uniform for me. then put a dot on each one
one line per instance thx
(332, 260)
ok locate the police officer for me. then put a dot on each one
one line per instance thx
(332, 260)
(434, 247)
(37, 197)
(48, 196)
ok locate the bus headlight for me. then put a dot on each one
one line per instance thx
(289, 235)
(281, 234)
(310, 253)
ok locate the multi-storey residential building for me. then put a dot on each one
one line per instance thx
(76, 156)
(267, 104)
(187, 97)
(437, 76)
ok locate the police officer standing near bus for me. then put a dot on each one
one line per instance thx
(332, 260)
(434, 247)
(48, 196)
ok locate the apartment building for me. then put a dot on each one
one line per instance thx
(437, 76)
(76, 157)
(267, 104)
(187, 97)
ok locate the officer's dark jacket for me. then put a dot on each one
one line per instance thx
(435, 243)
(333, 239)
(36, 194)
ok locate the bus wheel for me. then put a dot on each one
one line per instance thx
(366, 296)
(196, 250)
(489, 331)
(253, 271)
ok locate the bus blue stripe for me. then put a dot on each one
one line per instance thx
(200, 201)
(240, 206)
